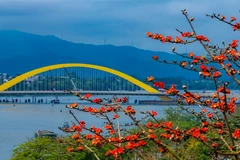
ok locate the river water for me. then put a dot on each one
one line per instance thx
(18, 123)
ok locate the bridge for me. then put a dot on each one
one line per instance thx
(86, 78)
(55, 79)
(122, 93)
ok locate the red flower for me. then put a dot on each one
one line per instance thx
(178, 40)
(169, 38)
(88, 136)
(97, 130)
(118, 100)
(124, 99)
(228, 65)
(111, 131)
(172, 90)
(153, 113)
(80, 148)
(210, 115)
(202, 38)
(183, 63)
(82, 123)
(214, 145)
(234, 43)
(159, 84)
(203, 68)
(233, 19)
(236, 26)
(168, 124)
(186, 34)
(191, 54)
(236, 134)
(152, 136)
(97, 100)
(204, 110)
(203, 138)
(196, 133)
(87, 95)
(219, 125)
(155, 57)
(149, 124)
(102, 109)
(205, 124)
(76, 136)
(149, 34)
(115, 116)
(130, 145)
(223, 17)
(70, 149)
(217, 74)
(223, 90)
(108, 127)
(150, 79)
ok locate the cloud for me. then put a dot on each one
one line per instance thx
(120, 21)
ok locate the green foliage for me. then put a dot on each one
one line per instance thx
(49, 149)
(181, 118)
(45, 149)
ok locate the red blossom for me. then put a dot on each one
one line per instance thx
(178, 40)
(204, 110)
(150, 79)
(202, 38)
(236, 26)
(219, 125)
(236, 134)
(191, 54)
(203, 67)
(87, 96)
(172, 90)
(103, 109)
(214, 145)
(97, 100)
(234, 43)
(203, 138)
(152, 136)
(155, 57)
(223, 89)
(210, 115)
(159, 84)
(233, 18)
(186, 34)
(89, 136)
(217, 74)
(124, 99)
(80, 148)
(149, 124)
(149, 34)
(168, 124)
(111, 131)
(153, 113)
(115, 116)
(205, 124)
(108, 127)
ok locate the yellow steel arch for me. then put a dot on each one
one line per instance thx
(24, 76)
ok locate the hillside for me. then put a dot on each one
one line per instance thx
(21, 52)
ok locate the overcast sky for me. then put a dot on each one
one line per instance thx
(121, 22)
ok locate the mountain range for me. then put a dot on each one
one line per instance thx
(21, 52)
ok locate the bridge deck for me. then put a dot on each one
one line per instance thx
(163, 96)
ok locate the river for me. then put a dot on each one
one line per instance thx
(18, 123)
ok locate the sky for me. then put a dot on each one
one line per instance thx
(119, 22)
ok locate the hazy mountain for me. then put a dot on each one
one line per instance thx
(21, 52)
